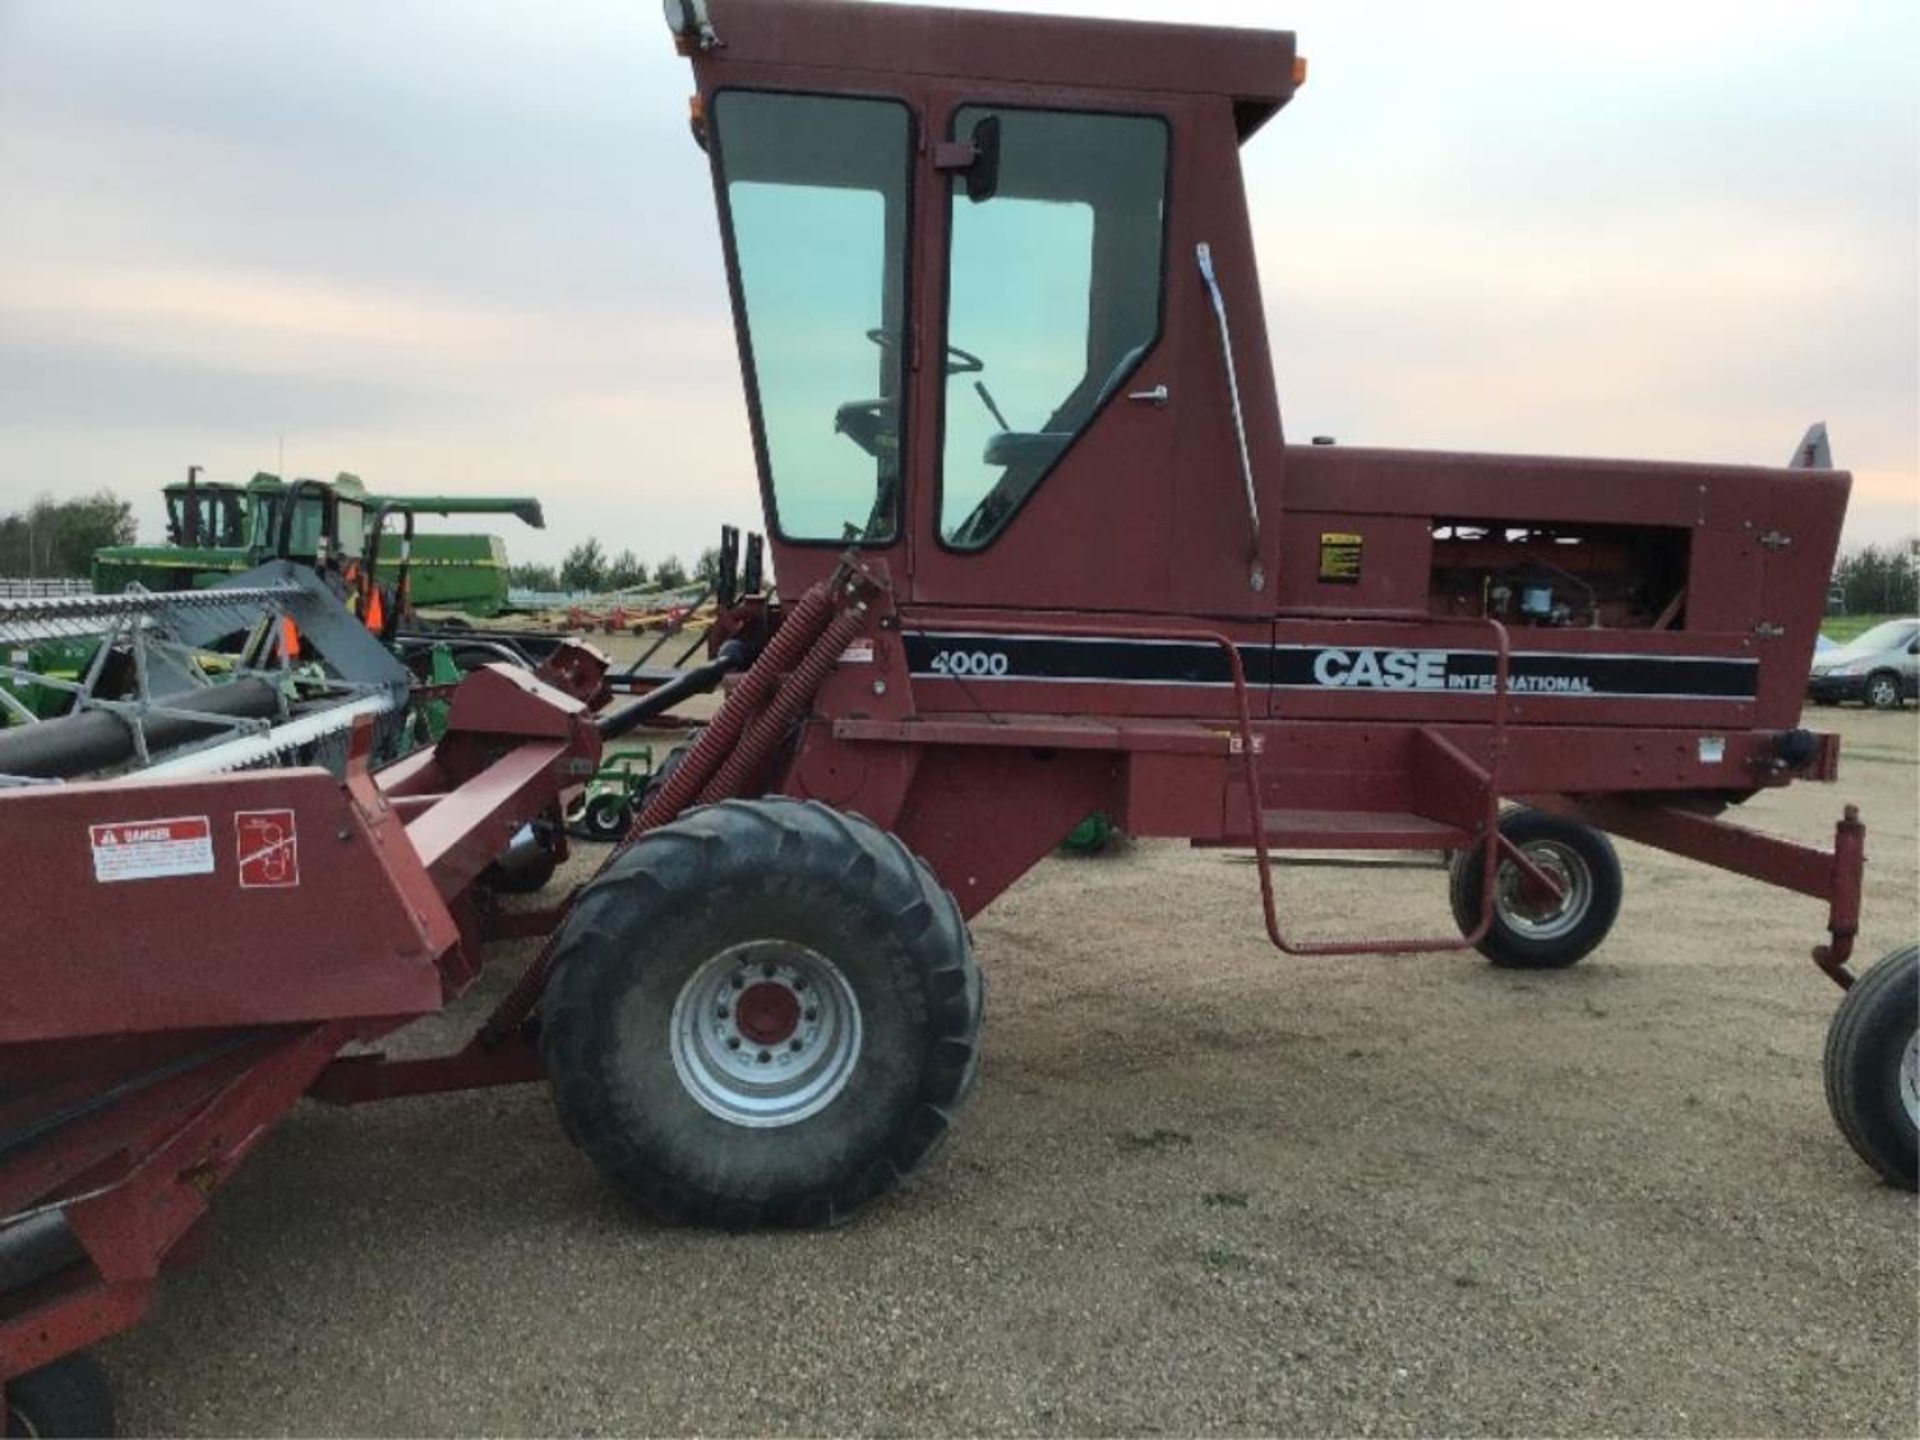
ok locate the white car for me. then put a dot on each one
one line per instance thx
(1881, 667)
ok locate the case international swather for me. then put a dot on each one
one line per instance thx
(1043, 550)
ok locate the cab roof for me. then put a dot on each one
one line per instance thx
(1254, 69)
(344, 484)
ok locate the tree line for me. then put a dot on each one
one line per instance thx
(55, 539)
(1879, 579)
(588, 568)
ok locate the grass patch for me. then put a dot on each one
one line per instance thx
(1219, 1257)
(1842, 628)
(1133, 1141)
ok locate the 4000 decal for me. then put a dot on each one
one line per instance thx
(986, 664)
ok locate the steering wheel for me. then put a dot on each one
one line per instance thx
(959, 362)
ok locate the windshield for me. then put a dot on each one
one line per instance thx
(308, 520)
(815, 199)
(1888, 635)
(218, 512)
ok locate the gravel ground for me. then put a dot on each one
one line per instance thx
(1201, 1187)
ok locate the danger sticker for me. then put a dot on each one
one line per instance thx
(268, 844)
(860, 652)
(151, 849)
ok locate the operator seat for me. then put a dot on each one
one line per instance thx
(1032, 453)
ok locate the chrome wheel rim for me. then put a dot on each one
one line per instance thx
(603, 820)
(1882, 694)
(1526, 910)
(1910, 1079)
(765, 1034)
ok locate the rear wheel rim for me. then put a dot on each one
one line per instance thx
(765, 1034)
(1533, 916)
(603, 818)
(1910, 1079)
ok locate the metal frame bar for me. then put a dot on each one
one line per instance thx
(1835, 875)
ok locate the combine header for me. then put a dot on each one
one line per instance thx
(256, 669)
(1044, 551)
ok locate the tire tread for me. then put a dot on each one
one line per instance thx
(1510, 952)
(1856, 1109)
(67, 1397)
(798, 837)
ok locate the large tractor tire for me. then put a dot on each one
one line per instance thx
(1538, 931)
(765, 1012)
(70, 1397)
(1873, 1067)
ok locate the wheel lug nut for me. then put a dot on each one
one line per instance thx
(739, 982)
(765, 1056)
(813, 1014)
(733, 1042)
(769, 969)
(793, 1045)
(724, 1012)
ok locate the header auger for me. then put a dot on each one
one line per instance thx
(1043, 550)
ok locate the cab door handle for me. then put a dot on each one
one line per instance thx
(1158, 395)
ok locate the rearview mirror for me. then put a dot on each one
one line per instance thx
(983, 175)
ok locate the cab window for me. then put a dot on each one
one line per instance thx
(229, 529)
(351, 521)
(1053, 298)
(309, 520)
(814, 197)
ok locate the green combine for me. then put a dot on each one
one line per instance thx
(217, 530)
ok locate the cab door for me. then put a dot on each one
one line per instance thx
(1048, 362)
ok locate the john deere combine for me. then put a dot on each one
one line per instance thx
(219, 530)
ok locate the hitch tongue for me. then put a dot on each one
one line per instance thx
(1843, 904)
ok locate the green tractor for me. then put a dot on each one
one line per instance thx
(604, 810)
(216, 530)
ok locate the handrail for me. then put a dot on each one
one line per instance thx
(1490, 855)
(1263, 853)
(1256, 575)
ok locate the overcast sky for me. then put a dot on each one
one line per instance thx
(468, 243)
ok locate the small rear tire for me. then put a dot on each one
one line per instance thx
(765, 1012)
(1873, 1067)
(1540, 932)
(608, 817)
(70, 1397)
